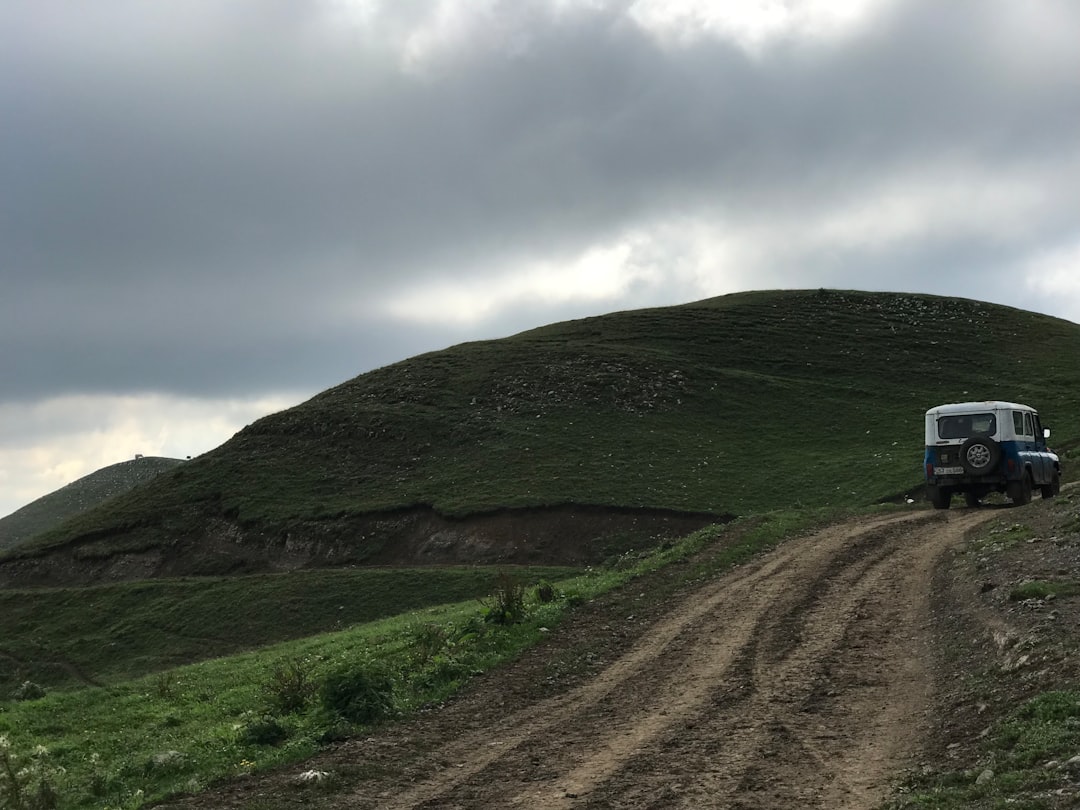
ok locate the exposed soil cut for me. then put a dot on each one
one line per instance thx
(556, 535)
(803, 679)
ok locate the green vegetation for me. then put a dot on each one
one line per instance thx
(1023, 753)
(738, 404)
(65, 637)
(1003, 534)
(1040, 589)
(176, 731)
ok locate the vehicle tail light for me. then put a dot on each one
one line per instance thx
(1011, 464)
(929, 470)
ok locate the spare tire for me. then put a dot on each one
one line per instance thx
(980, 455)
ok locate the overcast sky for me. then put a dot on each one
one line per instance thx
(212, 209)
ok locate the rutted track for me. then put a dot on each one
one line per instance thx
(800, 680)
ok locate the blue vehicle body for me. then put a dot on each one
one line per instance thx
(975, 448)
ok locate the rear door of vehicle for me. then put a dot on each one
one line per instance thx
(1028, 448)
(1045, 457)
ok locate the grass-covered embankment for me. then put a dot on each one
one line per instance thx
(68, 637)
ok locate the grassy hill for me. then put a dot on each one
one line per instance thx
(732, 405)
(79, 496)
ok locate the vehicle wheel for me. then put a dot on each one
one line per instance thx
(971, 499)
(980, 455)
(1053, 488)
(940, 497)
(1020, 491)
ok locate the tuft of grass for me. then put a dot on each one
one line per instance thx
(290, 685)
(1000, 535)
(361, 693)
(506, 602)
(1041, 589)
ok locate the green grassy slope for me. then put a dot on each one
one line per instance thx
(737, 404)
(79, 496)
(63, 637)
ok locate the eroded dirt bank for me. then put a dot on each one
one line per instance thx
(555, 535)
(800, 680)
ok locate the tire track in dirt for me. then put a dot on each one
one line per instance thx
(571, 710)
(683, 693)
(787, 743)
(792, 682)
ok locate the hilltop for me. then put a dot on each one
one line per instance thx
(669, 417)
(79, 496)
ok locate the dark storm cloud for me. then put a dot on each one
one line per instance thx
(208, 198)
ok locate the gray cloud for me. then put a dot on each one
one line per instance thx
(215, 198)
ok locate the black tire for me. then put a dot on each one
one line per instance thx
(971, 499)
(980, 455)
(1053, 488)
(1020, 491)
(941, 498)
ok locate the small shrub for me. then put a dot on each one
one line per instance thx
(99, 783)
(164, 685)
(428, 641)
(27, 782)
(263, 731)
(290, 687)
(471, 629)
(506, 604)
(360, 694)
(545, 592)
(28, 690)
(442, 670)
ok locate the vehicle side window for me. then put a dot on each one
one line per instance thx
(1018, 423)
(1028, 429)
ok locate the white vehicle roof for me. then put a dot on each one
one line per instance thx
(974, 407)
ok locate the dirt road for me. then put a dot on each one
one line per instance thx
(803, 679)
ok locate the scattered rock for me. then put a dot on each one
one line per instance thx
(166, 761)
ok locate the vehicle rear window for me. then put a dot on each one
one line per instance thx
(963, 425)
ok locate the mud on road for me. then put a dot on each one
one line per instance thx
(802, 679)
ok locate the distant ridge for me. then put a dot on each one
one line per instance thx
(78, 496)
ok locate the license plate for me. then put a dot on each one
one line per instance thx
(948, 470)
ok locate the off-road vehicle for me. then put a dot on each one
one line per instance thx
(976, 448)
